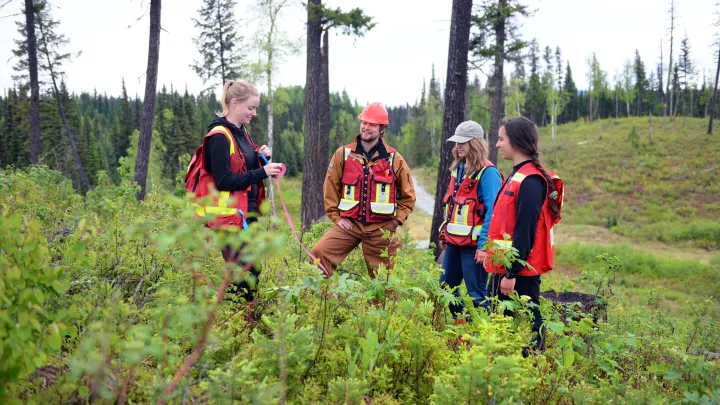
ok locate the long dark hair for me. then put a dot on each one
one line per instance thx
(523, 136)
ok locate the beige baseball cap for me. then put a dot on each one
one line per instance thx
(466, 131)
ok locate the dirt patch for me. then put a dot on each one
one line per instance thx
(47, 376)
(569, 303)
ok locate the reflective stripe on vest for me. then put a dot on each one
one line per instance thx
(503, 244)
(382, 205)
(224, 197)
(458, 224)
(348, 201)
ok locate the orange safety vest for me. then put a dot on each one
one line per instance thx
(464, 212)
(542, 254)
(229, 208)
(368, 193)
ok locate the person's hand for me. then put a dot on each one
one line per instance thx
(345, 223)
(265, 151)
(507, 286)
(273, 169)
(441, 244)
(480, 256)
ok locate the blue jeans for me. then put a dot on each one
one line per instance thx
(459, 263)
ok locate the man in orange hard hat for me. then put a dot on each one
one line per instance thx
(368, 190)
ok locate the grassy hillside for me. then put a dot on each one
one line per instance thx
(666, 188)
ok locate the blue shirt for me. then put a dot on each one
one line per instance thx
(490, 183)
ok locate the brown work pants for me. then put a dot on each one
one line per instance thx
(337, 243)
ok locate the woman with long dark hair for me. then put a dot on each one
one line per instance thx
(527, 207)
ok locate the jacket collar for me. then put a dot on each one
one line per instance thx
(380, 149)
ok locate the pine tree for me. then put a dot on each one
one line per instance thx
(49, 46)
(218, 42)
(320, 20)
(27, 68)
(570, 91)
(122, 142)
(641, 83)
(535, 98)
(496, 37)
(687, 70)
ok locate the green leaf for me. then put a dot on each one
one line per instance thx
(556, 327)
(84, 391)
(54, 341)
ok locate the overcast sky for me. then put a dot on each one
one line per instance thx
(388, 65)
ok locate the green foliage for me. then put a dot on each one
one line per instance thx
(30, 330)
(123, 295)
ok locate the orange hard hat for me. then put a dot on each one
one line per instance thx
(375, 113)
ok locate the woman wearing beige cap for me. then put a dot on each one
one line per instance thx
(469, 200)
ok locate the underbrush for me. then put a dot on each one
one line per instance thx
(106, 300)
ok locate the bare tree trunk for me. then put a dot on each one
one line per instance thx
(148, 115)
(627, 107)
(312, 187)
(84, 184)
(664, 95)
(553, 121)
(650, 126)
(590, 107)
(714, 97)
(34, 85)
(324, 102)
(668, 88)
(497, 79)
(692, 114)
(271, 117)
(455, 89)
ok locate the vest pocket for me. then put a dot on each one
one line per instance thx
(462, 217)
(382, 199)
(348, 188)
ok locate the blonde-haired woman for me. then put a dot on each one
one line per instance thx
(229, 162)
(469, 200)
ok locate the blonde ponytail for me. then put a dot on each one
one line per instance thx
(240, 90)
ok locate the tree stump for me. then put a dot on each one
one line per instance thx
(578, 302)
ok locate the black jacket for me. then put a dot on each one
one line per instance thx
(530, 199)
(217, 162)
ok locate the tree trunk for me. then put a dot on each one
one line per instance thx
(590, 107)
(692, 114)
(34, 85)
(454, 111)
(84, 184)
(627, 107)
(714, 97)
(148, 115)
(497, 79)
(312, 187)
(553, 121)
(324, 102)
(271, 117)
(668, 88)
(650, 127)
